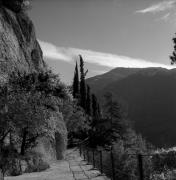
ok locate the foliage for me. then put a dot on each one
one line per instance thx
(75, 85)
(82, 84)
(32, 100)
(30, 118)
(95, 113)
(125, 158)
(111, 126)
(88, 102)
(173, 56)
(30, 109)
(77, 124)
(164, 161)
(16, 5)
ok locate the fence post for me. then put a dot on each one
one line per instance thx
(93, 152)
(84, 155)
(80, 150)
(101, 162)
(113, 167)
(87, 155)
(140, 164)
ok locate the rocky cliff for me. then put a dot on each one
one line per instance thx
(19, 49)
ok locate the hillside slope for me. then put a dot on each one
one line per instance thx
(151, 99)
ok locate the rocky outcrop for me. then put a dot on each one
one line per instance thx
(20, 51)
(19, 48)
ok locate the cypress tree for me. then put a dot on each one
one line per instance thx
(82, 84)
(173, 57)
(88, 101)
(95, 116)
(99, 111)
(76, 82)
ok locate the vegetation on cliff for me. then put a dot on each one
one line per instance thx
(30, 109)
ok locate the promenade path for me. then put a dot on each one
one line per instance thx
(72, 168)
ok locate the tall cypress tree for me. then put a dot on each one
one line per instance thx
(95, 116)
(82, 84)
(173, 57)
(76, 82)
(88, 101)
(99, 111)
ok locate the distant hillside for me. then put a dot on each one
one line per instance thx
(151, 97)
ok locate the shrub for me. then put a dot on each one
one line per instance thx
(164, 161)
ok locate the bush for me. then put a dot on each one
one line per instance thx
(164, 161)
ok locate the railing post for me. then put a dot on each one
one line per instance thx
(113, 164)
(88, 156)
(140, 164)
(93, 152)
(101, 162)
(84, 155)
(80, 150)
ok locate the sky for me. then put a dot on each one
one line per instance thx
(107, 33)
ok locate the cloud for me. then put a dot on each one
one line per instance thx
(165, 17)
(159, 7)
(52, 52)
(102, 59)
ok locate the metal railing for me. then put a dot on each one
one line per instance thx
(145, 166)
(106, 162)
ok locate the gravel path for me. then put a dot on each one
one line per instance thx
(73, 168)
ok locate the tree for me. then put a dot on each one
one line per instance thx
(77, 124)
(95, 114)
(82, 84)
(88, 101)
(33, 101)
(30, 115)
(76, 82)
(114, 117)
(173, 56)
(16, 5)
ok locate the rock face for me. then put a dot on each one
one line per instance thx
(19, 49)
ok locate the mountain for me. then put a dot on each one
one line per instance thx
(150, 94)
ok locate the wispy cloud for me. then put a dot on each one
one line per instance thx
(52, 52)
(102, 59)
(165, 17)
(159, 7)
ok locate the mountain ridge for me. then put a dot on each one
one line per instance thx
(150, 96)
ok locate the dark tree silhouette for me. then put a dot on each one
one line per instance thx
(76, 82)
(114, 114)
(82, 84)
(15, 5)
(88, 101)
(95, 114)
(173, 56)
